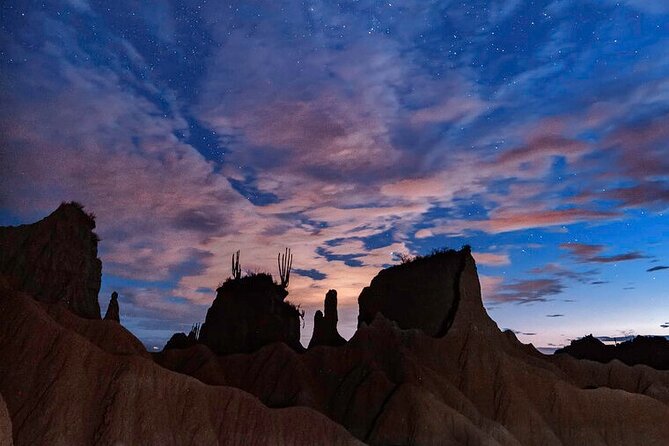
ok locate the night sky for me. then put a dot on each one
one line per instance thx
(351, 132)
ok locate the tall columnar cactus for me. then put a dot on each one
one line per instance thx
(236, 267)
(285, 262)
(194, 333)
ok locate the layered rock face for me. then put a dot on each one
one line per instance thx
(455, 379)
(423, 293)
(67, 380)
(473, 386)
(249, 313)
(652, 351)
(325, 325)
(62, 388)
(55, 260)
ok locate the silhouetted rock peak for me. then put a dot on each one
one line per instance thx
(652, 351)
(248, 313)
(55, 259)
(325, 325)
(423, 293)
(112, 313)
(183, 340)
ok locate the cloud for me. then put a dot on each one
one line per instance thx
(514, 220)
(635, 255)
(657, 268)
(521, 332)
(491, 259)
(555, 315)
(589, 253)
(527, 291)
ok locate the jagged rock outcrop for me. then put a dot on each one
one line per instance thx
(325, 325)
(55, 259)
(455, 379)
(473, 386)
(183, 340)
(112, 313)
(249, 313)
(652, 351)
(422, 293)
(62, 389)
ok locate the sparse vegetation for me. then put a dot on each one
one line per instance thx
(285, 262)
(298, 309)
(236, 267)
(405, 258)
(194, 333)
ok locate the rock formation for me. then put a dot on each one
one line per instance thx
(422, 293)
(445, 377)
(62, 389)
(67, 380)
(325, 325)
(473, 386)
(652, 351)
(183, 340)
(55, 260)
(249, 313)
(112, 313)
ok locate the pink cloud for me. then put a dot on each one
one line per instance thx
(491, 259)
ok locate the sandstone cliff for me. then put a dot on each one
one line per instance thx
(249, 313)
(408, 376)
(62, 389)
(423, 293)
(473, 386)
(55, 260)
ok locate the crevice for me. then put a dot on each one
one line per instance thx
(450, 317)
(380, 412)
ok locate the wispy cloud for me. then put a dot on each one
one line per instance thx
(657, 268)
(590, 253)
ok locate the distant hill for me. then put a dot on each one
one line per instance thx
(652, 351)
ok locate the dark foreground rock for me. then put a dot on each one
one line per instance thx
(652, 351)
(450, 377)
(249, 313)
(112, 313)
(423, 293)
(55, 260)
(63, 389)
(473, 386)
(325, 324)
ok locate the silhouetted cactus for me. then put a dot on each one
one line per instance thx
(285, 262)
(194, 333)
(236, 267)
